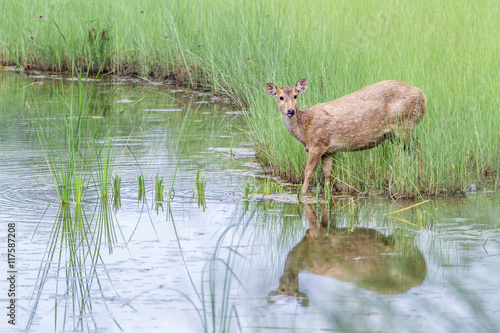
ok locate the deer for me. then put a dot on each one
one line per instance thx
(358, 121)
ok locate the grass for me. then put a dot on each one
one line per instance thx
(71, 145)
(158, 188)
(117, 181)
(72, 149)
(447, 49)
(142, 189)
(247, 189)
(267, 186)
(200, 185)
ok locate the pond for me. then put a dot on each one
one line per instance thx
(221, 262)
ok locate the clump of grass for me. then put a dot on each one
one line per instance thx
(117, 201)
(247, 190)
(200, 185)
(142, 188)
(158, 188)
(103, 157)
(117, 181)
(268, 187)
(70, 147)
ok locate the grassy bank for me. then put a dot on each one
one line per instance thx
(449, 49)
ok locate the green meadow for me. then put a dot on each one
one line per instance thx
(448, 49)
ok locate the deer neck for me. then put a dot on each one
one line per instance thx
(295, 125)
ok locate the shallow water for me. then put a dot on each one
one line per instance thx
(254, 266)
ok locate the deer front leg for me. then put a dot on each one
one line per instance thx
(312, 163)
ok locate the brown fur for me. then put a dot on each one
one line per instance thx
(358, 121)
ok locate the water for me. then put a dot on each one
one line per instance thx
(267, 265)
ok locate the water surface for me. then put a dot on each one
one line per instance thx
(254, 266)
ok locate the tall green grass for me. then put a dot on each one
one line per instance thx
(447, 49)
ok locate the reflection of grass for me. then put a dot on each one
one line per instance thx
(215, 309)
(73, 256)
(425, 216)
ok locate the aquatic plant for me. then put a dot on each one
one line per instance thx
(103, 156)
(158, 188)
(142, 188)
(299, 193)
(247, 189)
(268, 186)
(200, 185)
(117, 181)
(72, 142)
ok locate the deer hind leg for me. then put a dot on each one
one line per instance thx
(327, 161)
(312, 163)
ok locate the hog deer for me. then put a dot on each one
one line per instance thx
(359, 121)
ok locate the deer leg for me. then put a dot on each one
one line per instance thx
(327, 161)
(312, 163)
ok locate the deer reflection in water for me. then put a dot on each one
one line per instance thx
(363, 256)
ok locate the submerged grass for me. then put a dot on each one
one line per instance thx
(447, 49)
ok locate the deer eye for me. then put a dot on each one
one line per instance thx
(295, 97)
(281, 98)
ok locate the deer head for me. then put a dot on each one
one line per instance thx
(287, 96)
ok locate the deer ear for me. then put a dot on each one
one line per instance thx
(301, 86)
(271, 89)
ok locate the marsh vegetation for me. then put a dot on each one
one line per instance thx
(448, 50)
